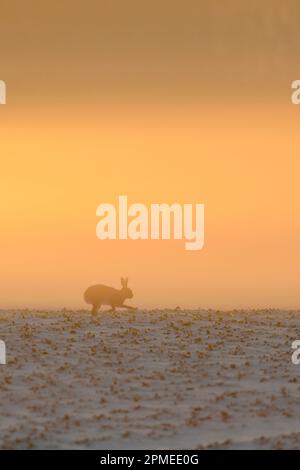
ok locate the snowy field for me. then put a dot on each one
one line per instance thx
(156, 379)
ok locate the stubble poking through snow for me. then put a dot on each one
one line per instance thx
(150, 379)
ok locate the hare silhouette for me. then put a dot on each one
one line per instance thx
(104, 295)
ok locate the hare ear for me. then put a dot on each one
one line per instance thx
(122, 282)
(126, 281)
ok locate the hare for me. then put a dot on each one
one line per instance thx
(103, 295)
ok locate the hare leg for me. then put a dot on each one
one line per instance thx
(95, 308)
(129, 306)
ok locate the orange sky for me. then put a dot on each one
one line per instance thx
(164, 109)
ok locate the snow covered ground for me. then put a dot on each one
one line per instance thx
(160, 379)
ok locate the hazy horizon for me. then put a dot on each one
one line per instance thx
(164, 103)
